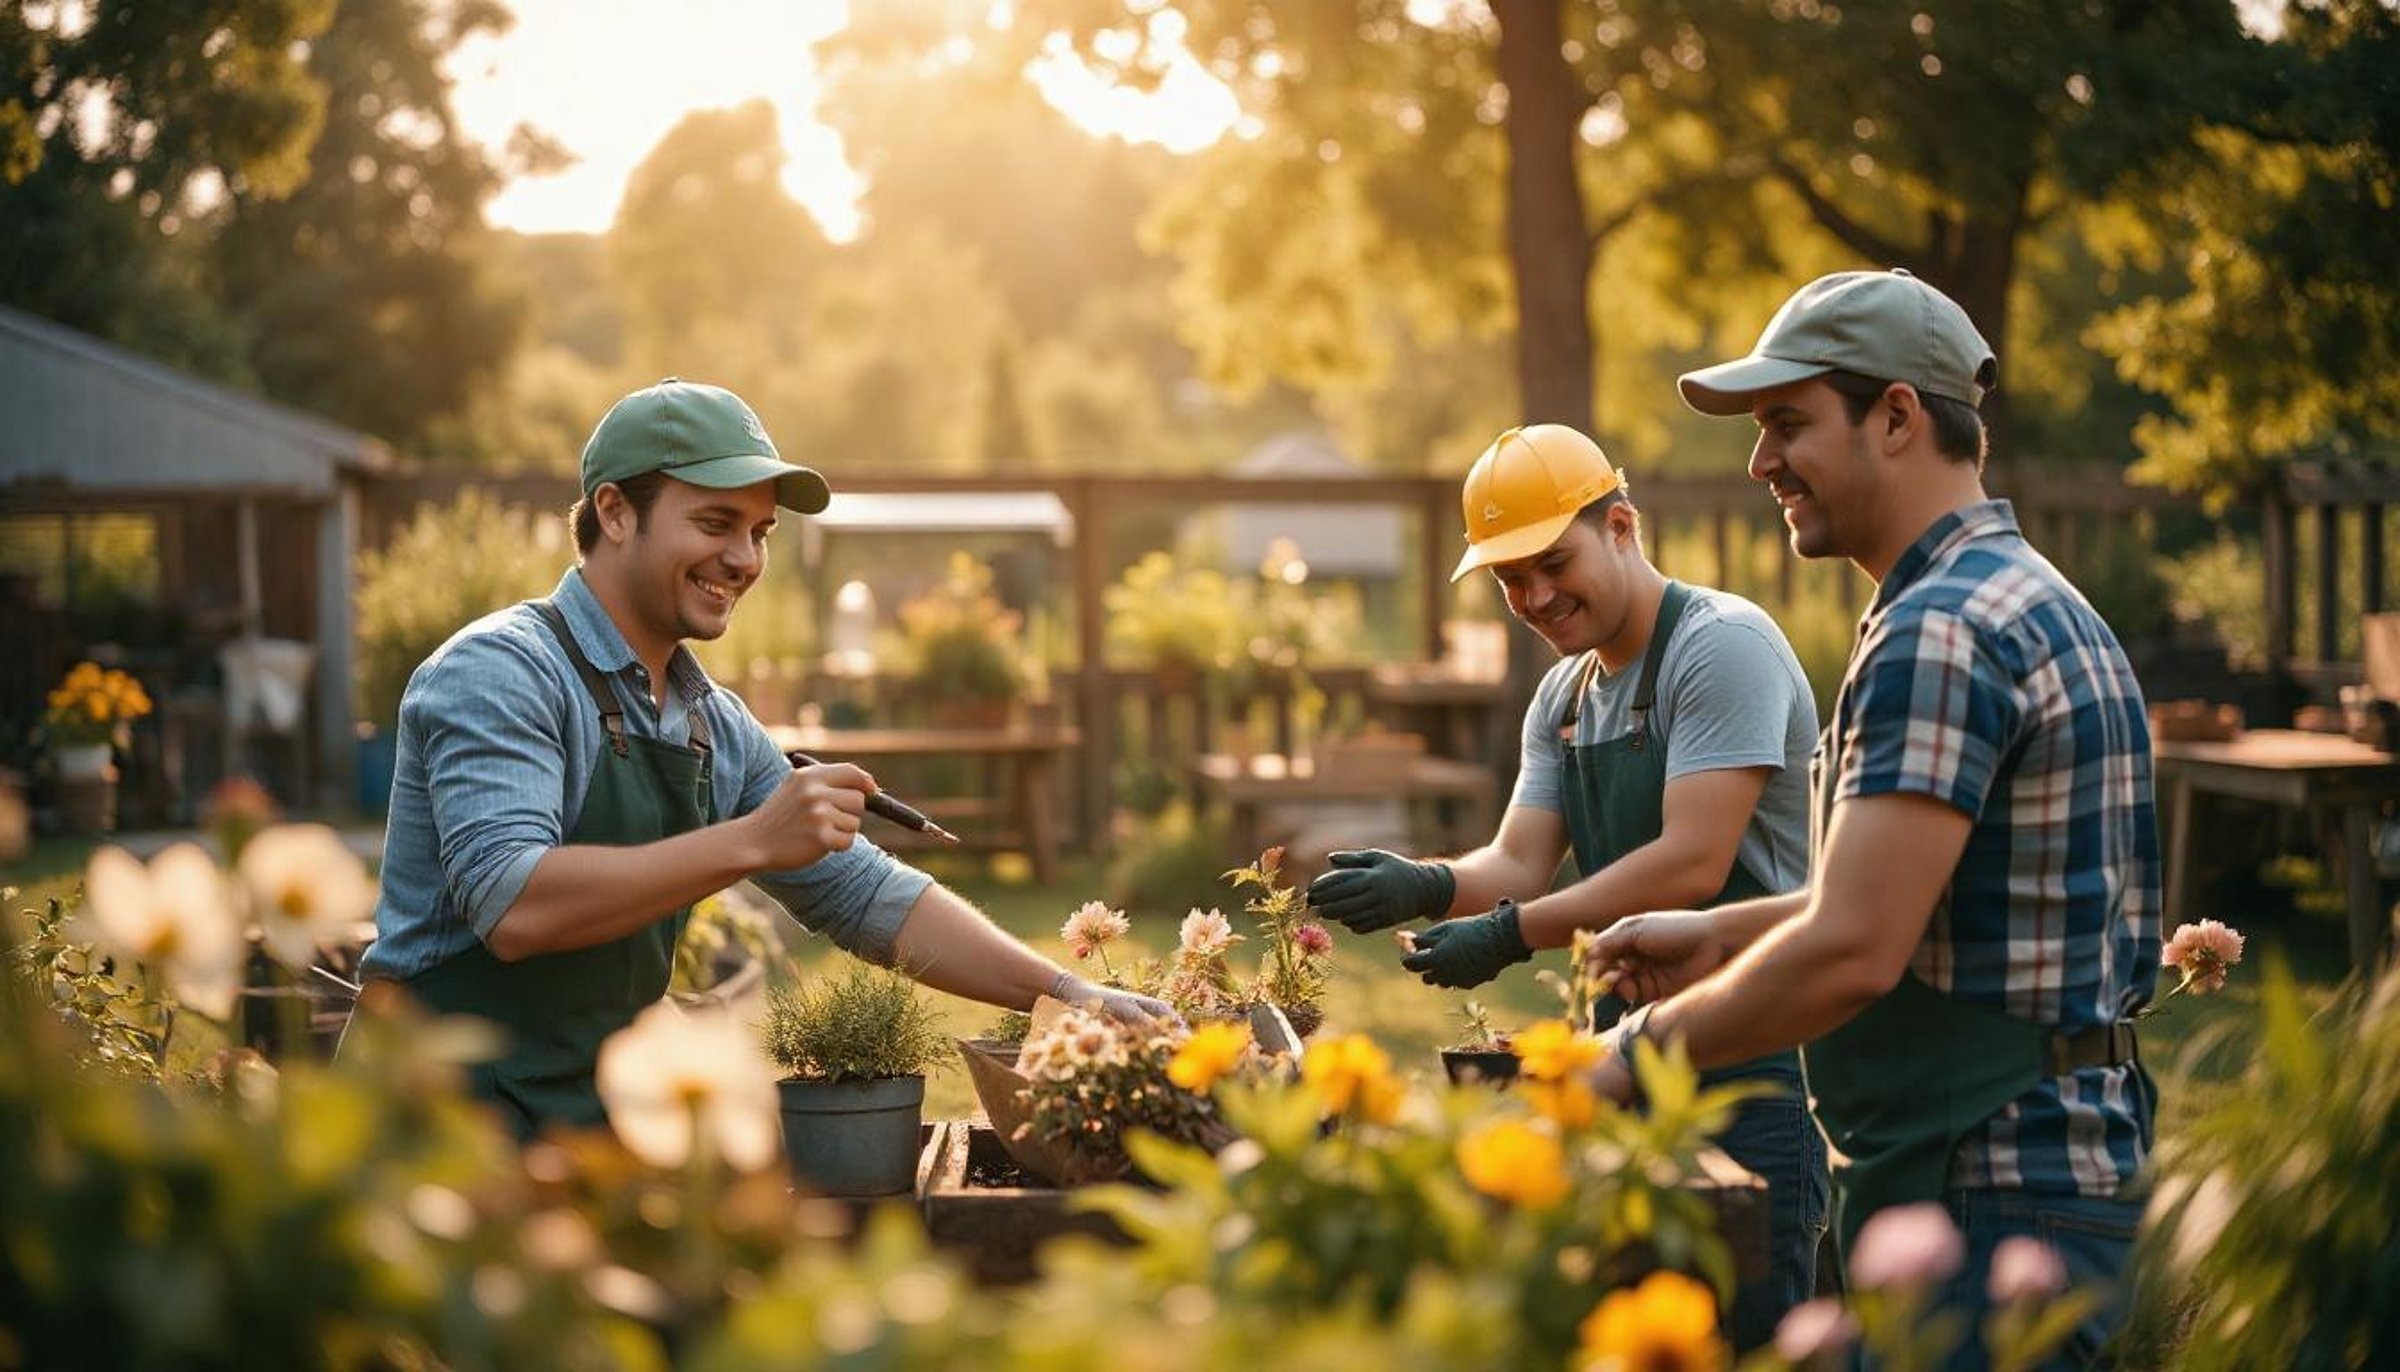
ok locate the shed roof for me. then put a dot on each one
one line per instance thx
(85, 415)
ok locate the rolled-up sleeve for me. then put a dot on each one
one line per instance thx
(858, 897)
(495, 767)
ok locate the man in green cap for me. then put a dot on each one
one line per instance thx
(1981, 926)
(569, 781)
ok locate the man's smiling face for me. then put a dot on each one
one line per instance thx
(1816, 464)
(695, 555)
(1576, 593)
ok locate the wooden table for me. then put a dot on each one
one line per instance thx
(1246, 785)
(1027, 751)
(2340, 785)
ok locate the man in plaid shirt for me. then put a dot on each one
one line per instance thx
(1981, 925)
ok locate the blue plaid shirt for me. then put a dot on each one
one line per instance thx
(498, 739)
(1984, 679)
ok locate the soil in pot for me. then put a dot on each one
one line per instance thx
(1467, 1066)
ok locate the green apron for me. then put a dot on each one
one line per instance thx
(1615, 801)
(1902, 1084)
(556, 1008)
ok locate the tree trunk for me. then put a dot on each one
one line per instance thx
(1549, 245)
(1974, 262)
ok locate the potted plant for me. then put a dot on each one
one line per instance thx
(856, 1042)
(90, 715)
(1180, 623)
(964, 647)
(1481, 1054)
(1292, 967)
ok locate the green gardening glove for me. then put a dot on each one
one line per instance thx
(1372, 890)
(1471, 950)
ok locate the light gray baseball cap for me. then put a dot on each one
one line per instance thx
(1887, 325)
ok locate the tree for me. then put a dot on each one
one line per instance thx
(122, 129)
(2279, 332)
(1928, 134)
(369, 292)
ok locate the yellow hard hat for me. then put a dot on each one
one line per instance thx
(1525, 489)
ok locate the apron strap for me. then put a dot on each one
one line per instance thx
(612, 715)
(1583, 686)
(1645, 691)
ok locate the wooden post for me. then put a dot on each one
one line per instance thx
(1094, 708)
(2329, 578)
(1720, 530)
(2370, 558)
(2282, 561)
(1438, 508)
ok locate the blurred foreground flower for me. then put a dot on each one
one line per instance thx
(1551, 1050)
(1666, 1324)
(1212, 1051)
(2025, 1269)
(171, 916)
(1517, 1163)
(1816, 1334)
(670, 1075)
(306, 888)
(1915, 1246)
(2203, 952)
(237, 808)
(1352, 1077)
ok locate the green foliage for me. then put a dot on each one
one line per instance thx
(960, 641)
(447, 567)
(1161, 614)
(2218, 585)
(1168, 863)
(1290, 975)
(122, 1024)
(720, 929)
(2270, 1239)
(369, 292)
(854, 1021)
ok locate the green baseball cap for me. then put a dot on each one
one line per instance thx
(1886, 325)
(697, 433)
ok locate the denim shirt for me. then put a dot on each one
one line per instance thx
(497, 743)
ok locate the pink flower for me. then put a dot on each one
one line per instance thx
(2025, 1269)
(1313, 940)
(2202, 952)
(1092, 925)
(1205, 934)
(1907, 1245)
(1815, 1330)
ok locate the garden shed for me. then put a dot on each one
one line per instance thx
(201, 539)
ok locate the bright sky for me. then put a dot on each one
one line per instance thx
(609, 78)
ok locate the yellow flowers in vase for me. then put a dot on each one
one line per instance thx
(95, 705)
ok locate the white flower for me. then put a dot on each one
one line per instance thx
(306, 888)
(1205, 934)
(171, 916)
(669, 1073)
(1092, 926)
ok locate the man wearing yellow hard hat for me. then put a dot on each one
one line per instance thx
(1669, 748)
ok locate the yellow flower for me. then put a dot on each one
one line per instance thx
(1666, 1324)
(1515, 1162)
(1211, 1052)
(1569, 1104)
(1553, 1051)
(1352, 1076)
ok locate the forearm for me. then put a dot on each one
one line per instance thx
(1799, 979)
(1491, 874)
(1659, 875)
(581, 895)
(949, 945)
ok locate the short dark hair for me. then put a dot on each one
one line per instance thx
(1596, 512)
(1958, 432)
(641, 492)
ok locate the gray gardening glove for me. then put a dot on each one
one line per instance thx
(1128, 1006)
(1470, 950)
(1372, 890)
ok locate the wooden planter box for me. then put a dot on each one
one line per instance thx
(981, 1206)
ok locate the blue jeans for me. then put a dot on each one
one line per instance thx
(2092, 1236)
(1776, 1138)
